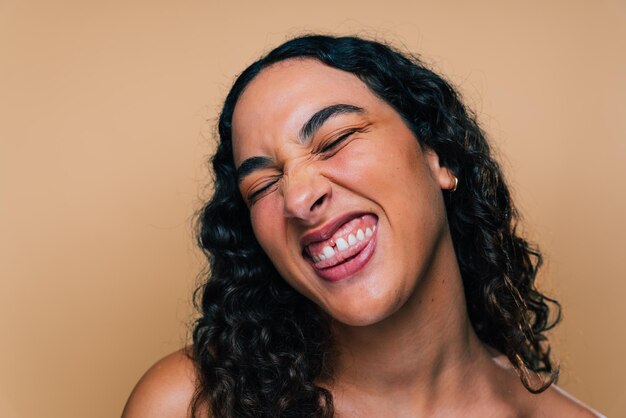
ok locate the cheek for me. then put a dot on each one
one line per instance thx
(381, 169)
(267, 226)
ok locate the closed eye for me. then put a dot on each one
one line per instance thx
(258, 193)
(334, 144)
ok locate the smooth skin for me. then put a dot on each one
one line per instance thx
(406, 346)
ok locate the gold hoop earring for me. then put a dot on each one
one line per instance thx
(456, 183)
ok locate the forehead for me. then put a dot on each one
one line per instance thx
(283, 96)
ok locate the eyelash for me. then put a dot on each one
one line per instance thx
(336, 142)
(254, 196)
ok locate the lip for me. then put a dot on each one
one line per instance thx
(327, 230)
(350, 267)
(346, 268)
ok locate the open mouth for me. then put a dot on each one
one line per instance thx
(346, 251)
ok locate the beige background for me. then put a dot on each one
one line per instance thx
(105, 113)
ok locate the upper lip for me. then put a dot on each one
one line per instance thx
(327, 230)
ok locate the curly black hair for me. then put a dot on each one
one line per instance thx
(260, 346)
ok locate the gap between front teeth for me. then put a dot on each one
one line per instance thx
(342, 245)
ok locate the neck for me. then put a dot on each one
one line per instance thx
(425, 350)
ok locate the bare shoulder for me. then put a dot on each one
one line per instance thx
(556, 402)
(165, 390)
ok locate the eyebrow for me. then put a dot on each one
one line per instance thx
(252, 164)
(316, 121)
(309, 129)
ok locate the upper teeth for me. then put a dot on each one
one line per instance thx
(341, 244)
(351, 239)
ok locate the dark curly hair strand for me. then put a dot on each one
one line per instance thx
(260, 346)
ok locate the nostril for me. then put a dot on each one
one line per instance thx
(318, 202)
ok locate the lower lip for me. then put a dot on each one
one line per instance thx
(348, 268)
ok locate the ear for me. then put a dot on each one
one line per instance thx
(444, 176)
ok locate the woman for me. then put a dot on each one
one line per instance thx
(363, 254)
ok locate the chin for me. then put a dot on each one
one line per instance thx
(359, 319)
(365, 314)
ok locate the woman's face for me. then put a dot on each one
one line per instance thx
(342, 198)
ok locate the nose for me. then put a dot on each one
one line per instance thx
(306, 193)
